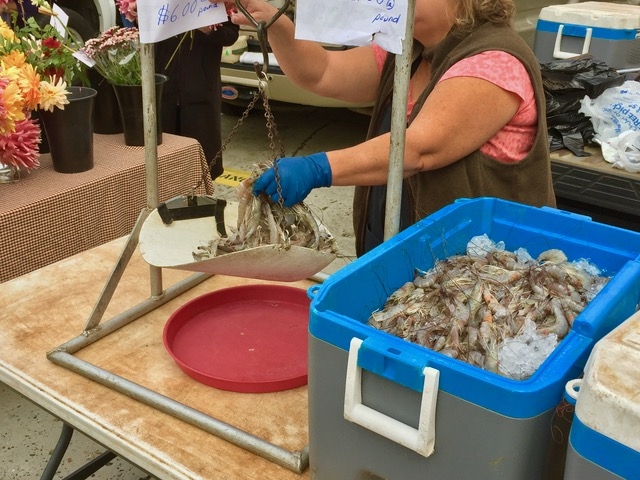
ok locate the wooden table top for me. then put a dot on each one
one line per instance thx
(594, 162)
(44, 309)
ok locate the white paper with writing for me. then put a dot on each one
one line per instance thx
(59, 20)
(353, 22)
(161, 19)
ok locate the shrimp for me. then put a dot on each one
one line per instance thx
(401, 294)
(385, 319)
(261, 222)
(466, 307)
(273, 227)
(245, 198)
(552, 255)
(310, 222)
(560, 325)
(489, 341)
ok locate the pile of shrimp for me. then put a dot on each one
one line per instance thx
(262, 222)
(466, 306)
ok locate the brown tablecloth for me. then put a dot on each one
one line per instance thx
(47, 216)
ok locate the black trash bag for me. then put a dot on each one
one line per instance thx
(571, 130)
(566, 83)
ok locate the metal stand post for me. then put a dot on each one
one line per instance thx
(401, 77)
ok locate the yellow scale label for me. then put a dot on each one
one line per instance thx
(232, 177)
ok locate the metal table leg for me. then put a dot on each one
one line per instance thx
(60, 449)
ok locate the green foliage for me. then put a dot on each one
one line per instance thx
(50, 53)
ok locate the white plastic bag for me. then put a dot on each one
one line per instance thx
(615, 116)
(623, 151)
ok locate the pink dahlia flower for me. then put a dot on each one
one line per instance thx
(20, 147)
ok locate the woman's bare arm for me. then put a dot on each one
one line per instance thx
(460, 116)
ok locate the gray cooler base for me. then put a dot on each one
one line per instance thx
(578, 467)
(618, 54)
(471, 443)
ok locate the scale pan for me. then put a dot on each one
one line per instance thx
(172, 246)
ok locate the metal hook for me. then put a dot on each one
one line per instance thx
(261, 29)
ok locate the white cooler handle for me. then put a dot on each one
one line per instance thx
(421, 440)
(557, 53)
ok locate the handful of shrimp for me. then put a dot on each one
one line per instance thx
(262, 222)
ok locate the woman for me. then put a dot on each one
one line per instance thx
(476, 115)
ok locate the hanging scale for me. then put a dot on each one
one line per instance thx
(174, 247)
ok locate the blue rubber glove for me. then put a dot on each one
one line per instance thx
(298, 176)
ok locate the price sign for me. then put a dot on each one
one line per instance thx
(160, 19)
(353, 22)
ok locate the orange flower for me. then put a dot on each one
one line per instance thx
(29, 83)
(11, 104)
(14, 58)
(27, 78)
(6, 31)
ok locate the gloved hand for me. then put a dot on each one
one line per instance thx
(298, 176)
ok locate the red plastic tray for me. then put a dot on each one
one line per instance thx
(250, 339)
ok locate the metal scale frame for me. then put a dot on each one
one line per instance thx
(95, 328)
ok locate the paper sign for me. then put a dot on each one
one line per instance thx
(80, 55)
(160, 19)
(353, 22)
(59, 20)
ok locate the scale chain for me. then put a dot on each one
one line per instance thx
(274, 136)
(262, 74)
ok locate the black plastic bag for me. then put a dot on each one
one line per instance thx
(566, 83)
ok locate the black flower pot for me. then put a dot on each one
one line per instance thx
(69, 131)
(131, 111)
(106, 112)
(44, 143)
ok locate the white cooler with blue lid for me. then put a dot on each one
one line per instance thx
(604, 443)
(608, 31)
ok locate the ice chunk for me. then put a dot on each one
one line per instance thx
(587, 266)
(523, 255)
(479, 245)
(520, 356)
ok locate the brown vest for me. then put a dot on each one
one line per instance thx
(477, 175)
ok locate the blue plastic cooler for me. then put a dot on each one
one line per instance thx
(384, 408)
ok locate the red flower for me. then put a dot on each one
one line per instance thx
(51, 43)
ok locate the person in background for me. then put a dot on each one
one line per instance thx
(192, 97)
(476, 115)
(24, 8)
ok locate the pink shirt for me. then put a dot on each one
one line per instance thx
(515, 139)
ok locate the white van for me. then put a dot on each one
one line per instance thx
(240, 82)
